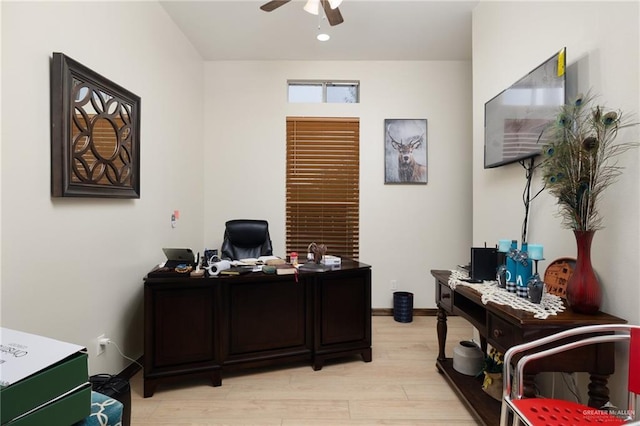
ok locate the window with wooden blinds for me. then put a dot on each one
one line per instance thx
(323, 185)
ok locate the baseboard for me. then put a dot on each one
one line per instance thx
(132, 369)
(420, 312)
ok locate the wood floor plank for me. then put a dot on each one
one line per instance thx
(253, 409)
(320, 391)
(432, 409)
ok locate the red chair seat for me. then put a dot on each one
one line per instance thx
(555, 412)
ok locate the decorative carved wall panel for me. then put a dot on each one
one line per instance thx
(95, 134)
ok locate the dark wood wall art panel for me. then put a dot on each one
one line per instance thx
(95, 134)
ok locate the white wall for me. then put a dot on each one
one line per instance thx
(602, 41)
(405, 230)
(73, 268)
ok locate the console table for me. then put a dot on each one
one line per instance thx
(201, 327)
(502, 327)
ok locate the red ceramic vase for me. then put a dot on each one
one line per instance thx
(584, 293)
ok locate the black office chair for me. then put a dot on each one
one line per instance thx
(246, 238)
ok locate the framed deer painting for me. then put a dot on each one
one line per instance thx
(405, 151)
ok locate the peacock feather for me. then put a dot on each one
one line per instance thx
(580, 159)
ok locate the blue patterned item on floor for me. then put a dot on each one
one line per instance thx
(105, 411)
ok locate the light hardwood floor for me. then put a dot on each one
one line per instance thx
(401, 386)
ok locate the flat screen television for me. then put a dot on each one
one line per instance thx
(515, 119)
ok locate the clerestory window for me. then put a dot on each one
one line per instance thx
(345, 92)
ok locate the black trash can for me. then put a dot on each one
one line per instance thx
(403, 306)
(117, 388)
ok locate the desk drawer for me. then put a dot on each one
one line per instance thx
(445, 297)
(502, 334)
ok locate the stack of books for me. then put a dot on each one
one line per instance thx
(237, 270)
(285, 269)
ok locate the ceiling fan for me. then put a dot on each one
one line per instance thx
(330, 8)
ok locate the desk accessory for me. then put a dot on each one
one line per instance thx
(269, 269)
(215, 268)
(210, 256)
(237, 270)
(285, 269)
(198, 273)
(484, 262)
(318, 251)
(178, 256)
(183, 268)
(331, 260)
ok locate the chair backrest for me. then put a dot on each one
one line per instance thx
(246, 238)
(605, 333)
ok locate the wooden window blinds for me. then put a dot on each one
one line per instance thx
(323, 185)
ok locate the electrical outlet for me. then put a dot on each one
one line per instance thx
(394, 284)
(101, 344)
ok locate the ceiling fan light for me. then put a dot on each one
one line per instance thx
(312, 6)
(323, 37)
(335, 3)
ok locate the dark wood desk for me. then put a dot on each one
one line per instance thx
(201, 327)
(502, 327)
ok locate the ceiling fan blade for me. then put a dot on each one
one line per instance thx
(273, 4)
(333, 15)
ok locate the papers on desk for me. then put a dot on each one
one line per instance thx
(262, 260)
(244, 262)
(256, 263)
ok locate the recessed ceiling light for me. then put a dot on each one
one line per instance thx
(323, 37)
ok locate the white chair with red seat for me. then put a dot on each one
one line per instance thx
(548, 411)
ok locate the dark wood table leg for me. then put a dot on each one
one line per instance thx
(441, 328)
(216, 378)
(318, 363)
(367, 355)
(598, 390)
(149, 387)
(483, 345)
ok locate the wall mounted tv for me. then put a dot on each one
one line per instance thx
(515, 119)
